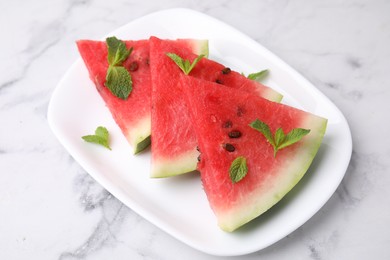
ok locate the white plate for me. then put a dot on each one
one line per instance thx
(178, 205)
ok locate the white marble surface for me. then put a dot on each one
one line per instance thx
(51, 209)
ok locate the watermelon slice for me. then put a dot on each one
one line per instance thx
(173, 138)
(133, 115)
(216, 111)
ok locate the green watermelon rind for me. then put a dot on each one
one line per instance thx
(142, 145)
(287, 178)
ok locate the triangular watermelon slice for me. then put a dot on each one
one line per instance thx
(216, 111)
(173, 138)
(133, 115)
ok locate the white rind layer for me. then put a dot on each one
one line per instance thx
(166, 167)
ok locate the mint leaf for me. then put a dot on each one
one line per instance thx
(238, 169)
(280, 140)
(100, 137)
(194, 62)
(184, 65)
(294, 136)
(117, 51)
(177, 59)
(118, 81)
(118, 78)
(264, 129)
(258, 76)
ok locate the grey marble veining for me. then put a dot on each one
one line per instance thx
(51, 208)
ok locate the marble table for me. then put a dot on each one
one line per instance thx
(50, 208)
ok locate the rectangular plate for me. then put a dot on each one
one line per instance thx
(178, 205)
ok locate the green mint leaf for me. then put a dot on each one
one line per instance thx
(238, 169)
(118, 81)
(184, 65)
(100, 137)
(258, 76)
(294, 136)
(279, 136)
(264, 129)
(280, 140)
(194, 62)
(117, 51)
(178, 60)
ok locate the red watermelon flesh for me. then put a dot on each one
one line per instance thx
(269, 178)
(173, 140)
(213, 71)
(131, 115)
(173, 137)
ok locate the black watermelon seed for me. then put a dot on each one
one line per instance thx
(133, 66)
(227, 124)
(199, 158)
(218, 81)
(240, 111)
(229, 147)
(234, 134)
(226, 70)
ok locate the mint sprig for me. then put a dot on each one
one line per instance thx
(279, 140)
(185, 65)
(100, 137)
(238, 169)
(118, 79)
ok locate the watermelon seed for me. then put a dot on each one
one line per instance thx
(240, 111)
(198, 158)
(133, 66)
(229, 147)
(197, 148)
(234, 134)
(218, 81)
(226, 70)
(227, 124)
